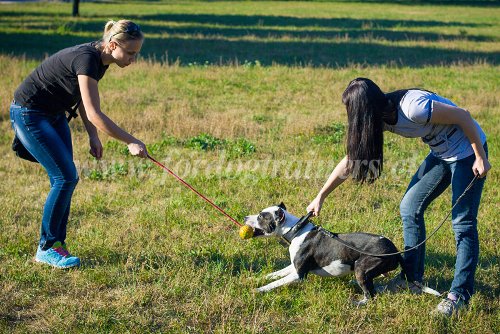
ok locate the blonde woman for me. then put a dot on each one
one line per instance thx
(37, 115)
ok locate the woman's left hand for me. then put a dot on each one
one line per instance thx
(95, 147)
(481, 167)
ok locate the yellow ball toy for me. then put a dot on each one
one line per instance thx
(246, 232)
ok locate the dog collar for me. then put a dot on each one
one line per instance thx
(292, 233)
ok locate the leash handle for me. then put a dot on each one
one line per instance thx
(194, 190)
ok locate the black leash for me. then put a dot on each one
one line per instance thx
(335, 236)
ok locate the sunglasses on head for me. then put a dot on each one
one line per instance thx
(133, 30)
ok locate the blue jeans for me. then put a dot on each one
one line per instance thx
(432, 178)
(47, 137)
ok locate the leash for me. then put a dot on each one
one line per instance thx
(196, 191)
(305, 219)
(335, 236)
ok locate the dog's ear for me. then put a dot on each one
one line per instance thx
(280, 215)
(282, 205)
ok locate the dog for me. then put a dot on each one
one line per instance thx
(315, 250)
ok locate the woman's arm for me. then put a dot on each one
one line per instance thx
(91, 129)
(95, 143)
(445, 114)
(338, 176)
(91, 103)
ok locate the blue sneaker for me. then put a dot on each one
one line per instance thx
(57, 256)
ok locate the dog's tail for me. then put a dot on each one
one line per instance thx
(404, 267)
(425, 289)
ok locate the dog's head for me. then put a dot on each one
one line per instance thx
(268, 222)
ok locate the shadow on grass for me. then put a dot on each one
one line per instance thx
(235, 264)
(440, 260)
(329, 54)
(106, 257)
(233, 26)
(269, 27)
(290, 53)
(469, 3)
(234, 39)
(307, 35)
(292, 21)
(251, 20)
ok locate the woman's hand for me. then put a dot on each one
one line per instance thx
(95, 147)
(338, 176)
(316, 205)
(138, 148)
(481, 167)
(446, 114)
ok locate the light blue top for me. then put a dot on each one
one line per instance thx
(447, 142)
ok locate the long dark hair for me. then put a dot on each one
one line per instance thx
(366, 105)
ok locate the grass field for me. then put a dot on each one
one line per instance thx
(242, 99)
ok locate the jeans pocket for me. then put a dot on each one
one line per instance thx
(14, 112)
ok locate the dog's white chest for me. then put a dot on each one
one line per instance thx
(336, 268)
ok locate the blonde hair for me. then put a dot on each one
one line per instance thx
(121, 31)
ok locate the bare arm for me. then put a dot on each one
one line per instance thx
(91, 129)
(91, 102)
(446, 114)
(94, 141)
(336, 178)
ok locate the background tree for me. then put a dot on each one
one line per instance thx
(76, 4)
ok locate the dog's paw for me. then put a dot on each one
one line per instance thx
(360, 303)
(380, 288)
(272, 276)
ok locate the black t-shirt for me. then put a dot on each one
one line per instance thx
(53, 85)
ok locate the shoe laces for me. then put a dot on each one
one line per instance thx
(61, 251)
(448, 305)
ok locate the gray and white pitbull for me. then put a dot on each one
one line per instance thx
(313, 250)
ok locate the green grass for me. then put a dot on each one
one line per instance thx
(246, 107)
(290, 33)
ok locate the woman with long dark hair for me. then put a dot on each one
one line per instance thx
(37, 114)
(458, 153)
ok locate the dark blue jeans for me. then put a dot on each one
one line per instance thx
(432, 178)
(47, 137)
